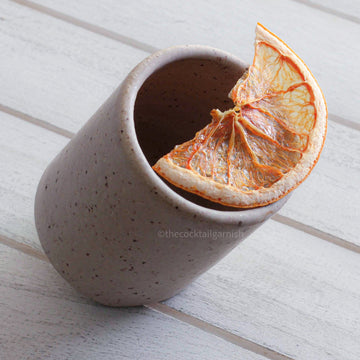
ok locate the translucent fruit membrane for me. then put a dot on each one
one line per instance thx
(264, 136)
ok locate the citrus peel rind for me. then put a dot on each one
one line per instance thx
(263, 148)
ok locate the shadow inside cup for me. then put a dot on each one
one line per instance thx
(175, 102)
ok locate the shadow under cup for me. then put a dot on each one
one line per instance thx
(175, 102)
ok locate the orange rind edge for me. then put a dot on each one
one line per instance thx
(231, 196)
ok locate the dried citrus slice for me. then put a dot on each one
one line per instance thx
(257, 152)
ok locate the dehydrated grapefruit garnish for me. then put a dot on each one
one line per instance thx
(257, 152)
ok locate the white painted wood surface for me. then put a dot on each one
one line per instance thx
(240, 284)
(293, 295)
(229, 25)
(52, 60)
(54, 71)
(293, 292)
(25, 151)
(19, 140)
(43, 318)
(329, 199)
(348, 9)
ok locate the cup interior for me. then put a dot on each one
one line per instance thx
(175, 102)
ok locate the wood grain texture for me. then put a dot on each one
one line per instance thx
(274, 289)
(295, 293)
(43, 318)
(25, 152)
(327, 43)
(346, 9)
(57, 72)
(282, 289)
(329, 199)
(306, 269)
(64, 70)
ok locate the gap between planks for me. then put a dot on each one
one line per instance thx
(219, 332)
(151, 49)
(315, 232)
(88, 26)
(277, 217)
(26, 249)
(37, 122)
(169, 311)
(328, 10)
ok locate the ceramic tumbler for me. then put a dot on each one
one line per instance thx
(108, 223)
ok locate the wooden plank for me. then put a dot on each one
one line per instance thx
(293, 292)
(263, 295)
(329, 199)
(87, 59)
(21, 140)
(43, 318)
(25, 152)
(347, 9)
(327, 43)
(54, 71)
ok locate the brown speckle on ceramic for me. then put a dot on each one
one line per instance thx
(107, 222)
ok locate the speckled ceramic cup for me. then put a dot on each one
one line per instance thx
(109, 225)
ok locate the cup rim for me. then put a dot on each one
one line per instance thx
(126, 102)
